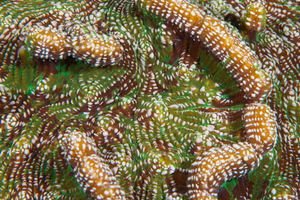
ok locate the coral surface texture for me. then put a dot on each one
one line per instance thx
(149, 99)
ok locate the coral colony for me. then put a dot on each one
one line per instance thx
(149, 99)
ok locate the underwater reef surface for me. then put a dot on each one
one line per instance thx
(149, 99)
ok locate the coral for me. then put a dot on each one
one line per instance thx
(146, 99)
(271, 29)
